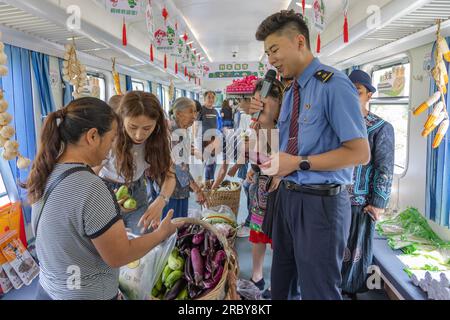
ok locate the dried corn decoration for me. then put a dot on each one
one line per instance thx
(7, 132)
(74, 72)
(116, 78)
(438, 118)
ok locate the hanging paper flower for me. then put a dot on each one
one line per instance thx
(303, 6)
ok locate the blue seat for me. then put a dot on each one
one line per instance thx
(393, 270)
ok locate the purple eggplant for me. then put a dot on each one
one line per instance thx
(194, 291)
(214, 281)
(205, 244)
(209, 262)
(197, 265)
(176, 289)
(199, 238)
(188, 271)
(219, 258)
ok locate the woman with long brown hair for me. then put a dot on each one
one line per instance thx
(81, 239)
(142, 147)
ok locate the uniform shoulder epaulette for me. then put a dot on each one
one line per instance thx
(324, 76)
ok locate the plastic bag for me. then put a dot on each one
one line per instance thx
(195, 214)
(359, 252)
(221, 210)
(248, 290)
(137, 279)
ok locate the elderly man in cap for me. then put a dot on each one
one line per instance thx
(370, 192)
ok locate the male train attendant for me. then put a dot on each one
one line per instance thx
(322, 138)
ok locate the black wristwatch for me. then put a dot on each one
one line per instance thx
(305, 165)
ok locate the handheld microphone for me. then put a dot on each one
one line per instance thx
(266, 87)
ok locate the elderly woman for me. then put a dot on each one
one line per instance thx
(183, 116)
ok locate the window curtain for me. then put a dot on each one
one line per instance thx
(41, 68)
(129, 83)
(150, 89)
(68, 88)
(18, 92)
(438, 172)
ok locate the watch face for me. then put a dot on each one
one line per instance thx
(305, 165)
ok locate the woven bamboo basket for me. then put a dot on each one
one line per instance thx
(216, 198)
(221, 291)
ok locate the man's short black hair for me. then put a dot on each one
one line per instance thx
(208, 92)
(284, 20)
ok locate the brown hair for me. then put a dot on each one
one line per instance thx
(276, 91)
(75, 119)
(114, 102)
(226, 104)
(208, 92)
(157, 146)
(283, 21)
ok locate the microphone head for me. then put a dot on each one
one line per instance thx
(271, 75)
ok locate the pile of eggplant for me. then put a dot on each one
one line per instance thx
(204, 262)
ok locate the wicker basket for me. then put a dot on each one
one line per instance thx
(221, 291)
(216, 198)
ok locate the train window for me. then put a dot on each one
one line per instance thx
(4, 198)
(166, 98)
(391, 102)
(137, 85)
(97, 85)
(178, 93)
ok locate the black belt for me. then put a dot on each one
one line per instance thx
(324, 190)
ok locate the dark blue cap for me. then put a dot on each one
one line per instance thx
(361, 77)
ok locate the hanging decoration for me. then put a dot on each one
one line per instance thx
(7, 132)
(74, 72)
(150, 27)
(179, 47)
(165, 37)
(185, 71)
(124, 33)
(319, 20)
(346, 4)
(129, 10)
(303, 7)
(116, 78)
(149, 19)
(152, 56)
(438, 118)
(176, 66)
